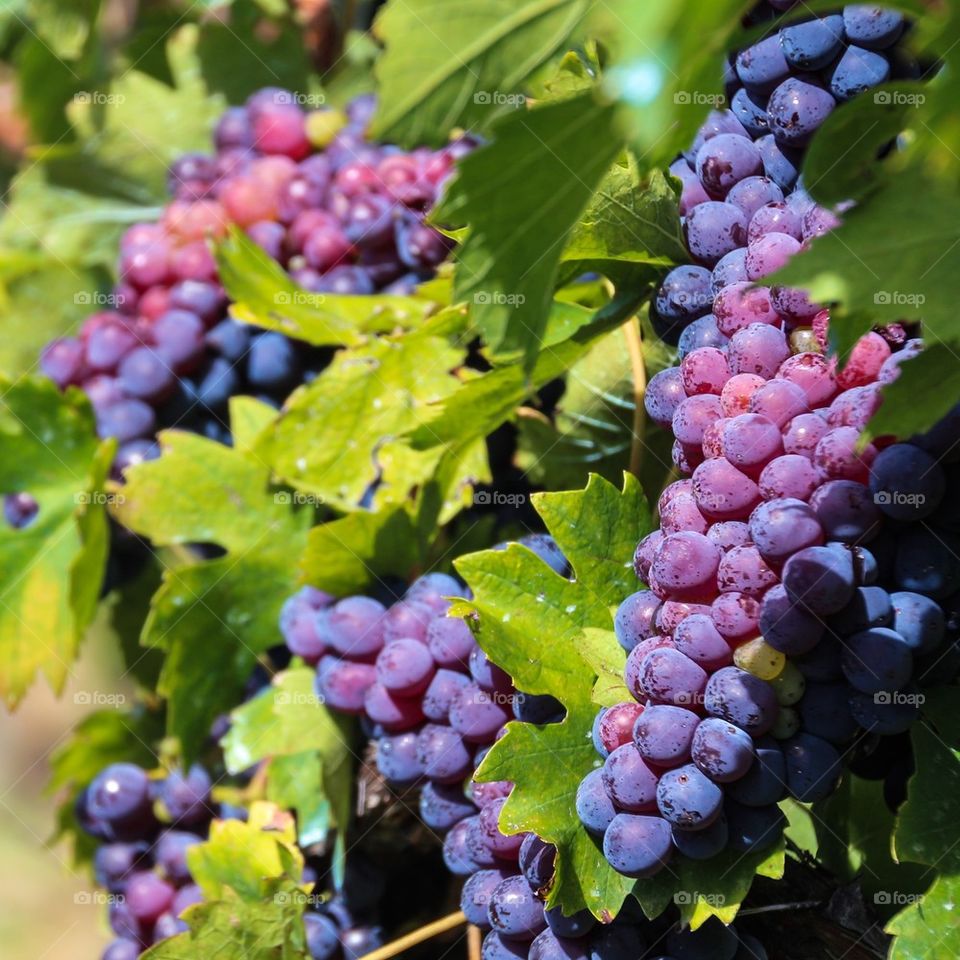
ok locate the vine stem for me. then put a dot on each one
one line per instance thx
(631, 333)
(434, 929)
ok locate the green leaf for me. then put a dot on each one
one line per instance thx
(522, 195)
(212, 618)
(336, 437)
(244, 51)
(856, 134)
(241, 857)
(520, 601)
(926, 832)
(309, 749)
(250, 877)
(599, 648)
(854, 828)
(145, 124)
(485, 402)
(926, 390)
(345, 555)
(665, 67)
(64, 24)
(52, 568)
(878, 272)
(264, 295)
(926, 829)
(630, 218)
(463, 69)
(927, 928)
(231, 928)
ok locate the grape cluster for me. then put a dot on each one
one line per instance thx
(145, 827)
(141, 861)
(788, 537)
(744, 210)
(340, 213)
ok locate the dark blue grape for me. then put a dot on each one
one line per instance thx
(813, 44)
(813, 767)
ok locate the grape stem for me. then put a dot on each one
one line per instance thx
(631, 333)
(403, 943)
(474, 939)
(780, 907)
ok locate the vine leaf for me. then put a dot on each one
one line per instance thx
(522, 195)
(520, 602)
(263, 294)
(337, 436)
(485, 402)
(462, 71)
(630, 219)
(250, 877)
(926, 390)
(875, 274)
(926, 832)
(51, 569)
(308, 747)
(212, 618)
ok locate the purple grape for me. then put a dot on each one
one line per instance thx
(721, 751)
(170, 854)
(120, 798)
(343, 684)
(700, 333)
(753, 828)
(725, 160)
(630, 783)
(796, 110)
(752, 193)
(877, 660)
(825, 712)
(751, 111)
(514, 912)
(121, 949)
(442, 805)
(186, 797)
(741, 699)
(787, 627)
(537, 860)
(594, 807)
(637, 846)
(765, 782)
(400, 758)
(323, 936)
(663, 734)
(857, 71)
(687, 799)
(147, 896)
(730, 268)
(548, 946)
(442, 753)
(663, 395)
(114, 863)
(697, 637)
(813, 44)
(713, 229)
(819, 578)
(873, 27)
(714, 940)
(813, 767)
(762, 66)
(477, 895)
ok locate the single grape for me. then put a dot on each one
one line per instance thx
(741, 699)
(688, 799)
(637, 846)
(594, 806)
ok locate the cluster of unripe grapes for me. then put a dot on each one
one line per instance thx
(342, 214)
